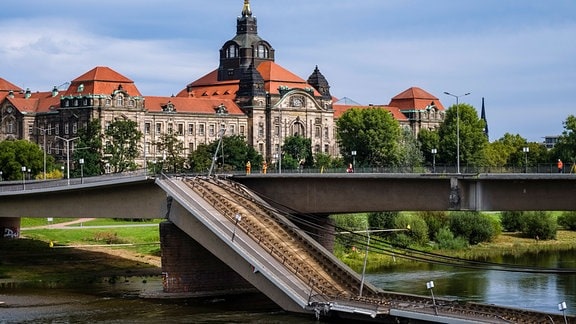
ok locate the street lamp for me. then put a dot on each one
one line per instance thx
(434, 151)
(44, 130)
(81, 170)
(24, 177)
(562, 307)
(353, 161)
(457, 128)
(67, 140)
(525, 149)
(430, 285)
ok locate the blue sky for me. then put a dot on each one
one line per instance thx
(519, 55)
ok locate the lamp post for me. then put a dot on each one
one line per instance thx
(457, 128)
(353, 161)
(43, 130)
(434, 151)
(562, 307)
(67, 140)
(430, 285)
(24, 177)
(525, 149)
(81, 161)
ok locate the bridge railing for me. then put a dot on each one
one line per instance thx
(26, 184)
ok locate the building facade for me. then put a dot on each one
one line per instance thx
(248, 94)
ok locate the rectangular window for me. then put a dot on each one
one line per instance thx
(190, 129)
(317, 131)
(260, 148)
(50, 127)
(147, 127)
(170, 128)
(277, 130)
(211, 130)
(242, 130)
(261, 129)
(10, 127)
(326, 132)
(49, 148)
(66, 128)
(30, 129)
(232, 130)
(316, 148)
(326, 148)
(158, 128)
(190, 147)
(75, 128)
(180, 129)
(201, 129)
(57, 129)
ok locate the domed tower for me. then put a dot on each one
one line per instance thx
(245, 49)
(319, 82)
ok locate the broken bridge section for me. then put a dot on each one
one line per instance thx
(256, 243)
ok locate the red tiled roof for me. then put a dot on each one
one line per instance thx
(415, 98)
(273, 74)
(101, 80)
(6, 86)
(192, 105)
(37, 102)
(339, 110)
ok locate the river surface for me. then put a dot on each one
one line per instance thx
(120, 302)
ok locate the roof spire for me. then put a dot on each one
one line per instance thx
(246, 11)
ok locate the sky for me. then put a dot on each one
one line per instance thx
(520, 55)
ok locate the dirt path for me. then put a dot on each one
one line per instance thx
(60, 225)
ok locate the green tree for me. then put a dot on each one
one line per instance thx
(411, 153)
(200, 159)
(429, 139)
(173, 149)
(373, 134)
(474, 226)
(296, 152)
(472, 137)
(122, 137)
(382, 220)
(89, 148)
(568, 220)
(540, 225)
(15, 154)
(512, 221)
(565, 148)
(236, 153)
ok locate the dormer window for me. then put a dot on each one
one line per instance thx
(120, 101)
(232, 51)
(81, 87)
(262, 51)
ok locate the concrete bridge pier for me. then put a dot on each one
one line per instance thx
(10, 227)
(322, 230)
(191, 270)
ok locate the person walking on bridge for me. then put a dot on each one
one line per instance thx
(560, 166)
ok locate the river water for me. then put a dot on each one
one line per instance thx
(121, 302)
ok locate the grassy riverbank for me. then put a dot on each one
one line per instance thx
(107, 248)
(505, 244)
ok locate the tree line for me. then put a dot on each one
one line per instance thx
(367, 138)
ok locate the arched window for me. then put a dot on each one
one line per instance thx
(298, 129)
(119, 101)
(262, 51)
(232, 51)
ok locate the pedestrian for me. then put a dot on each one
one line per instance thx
(248, 167)
(560, 166)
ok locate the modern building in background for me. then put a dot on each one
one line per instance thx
(248, 94)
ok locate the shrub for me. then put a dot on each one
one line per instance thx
(435, 221)
(474, 226)
(418, 233)
(512, 221)
(382, 220)
(540, 225)
(446, 240)
(568, 220)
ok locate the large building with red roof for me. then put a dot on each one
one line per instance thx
(248, 93)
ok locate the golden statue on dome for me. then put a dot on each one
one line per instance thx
(246, 11)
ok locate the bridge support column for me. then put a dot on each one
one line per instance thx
(323, 231)
(189, 268)
(9, 227)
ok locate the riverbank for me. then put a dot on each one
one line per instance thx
(33, 263)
